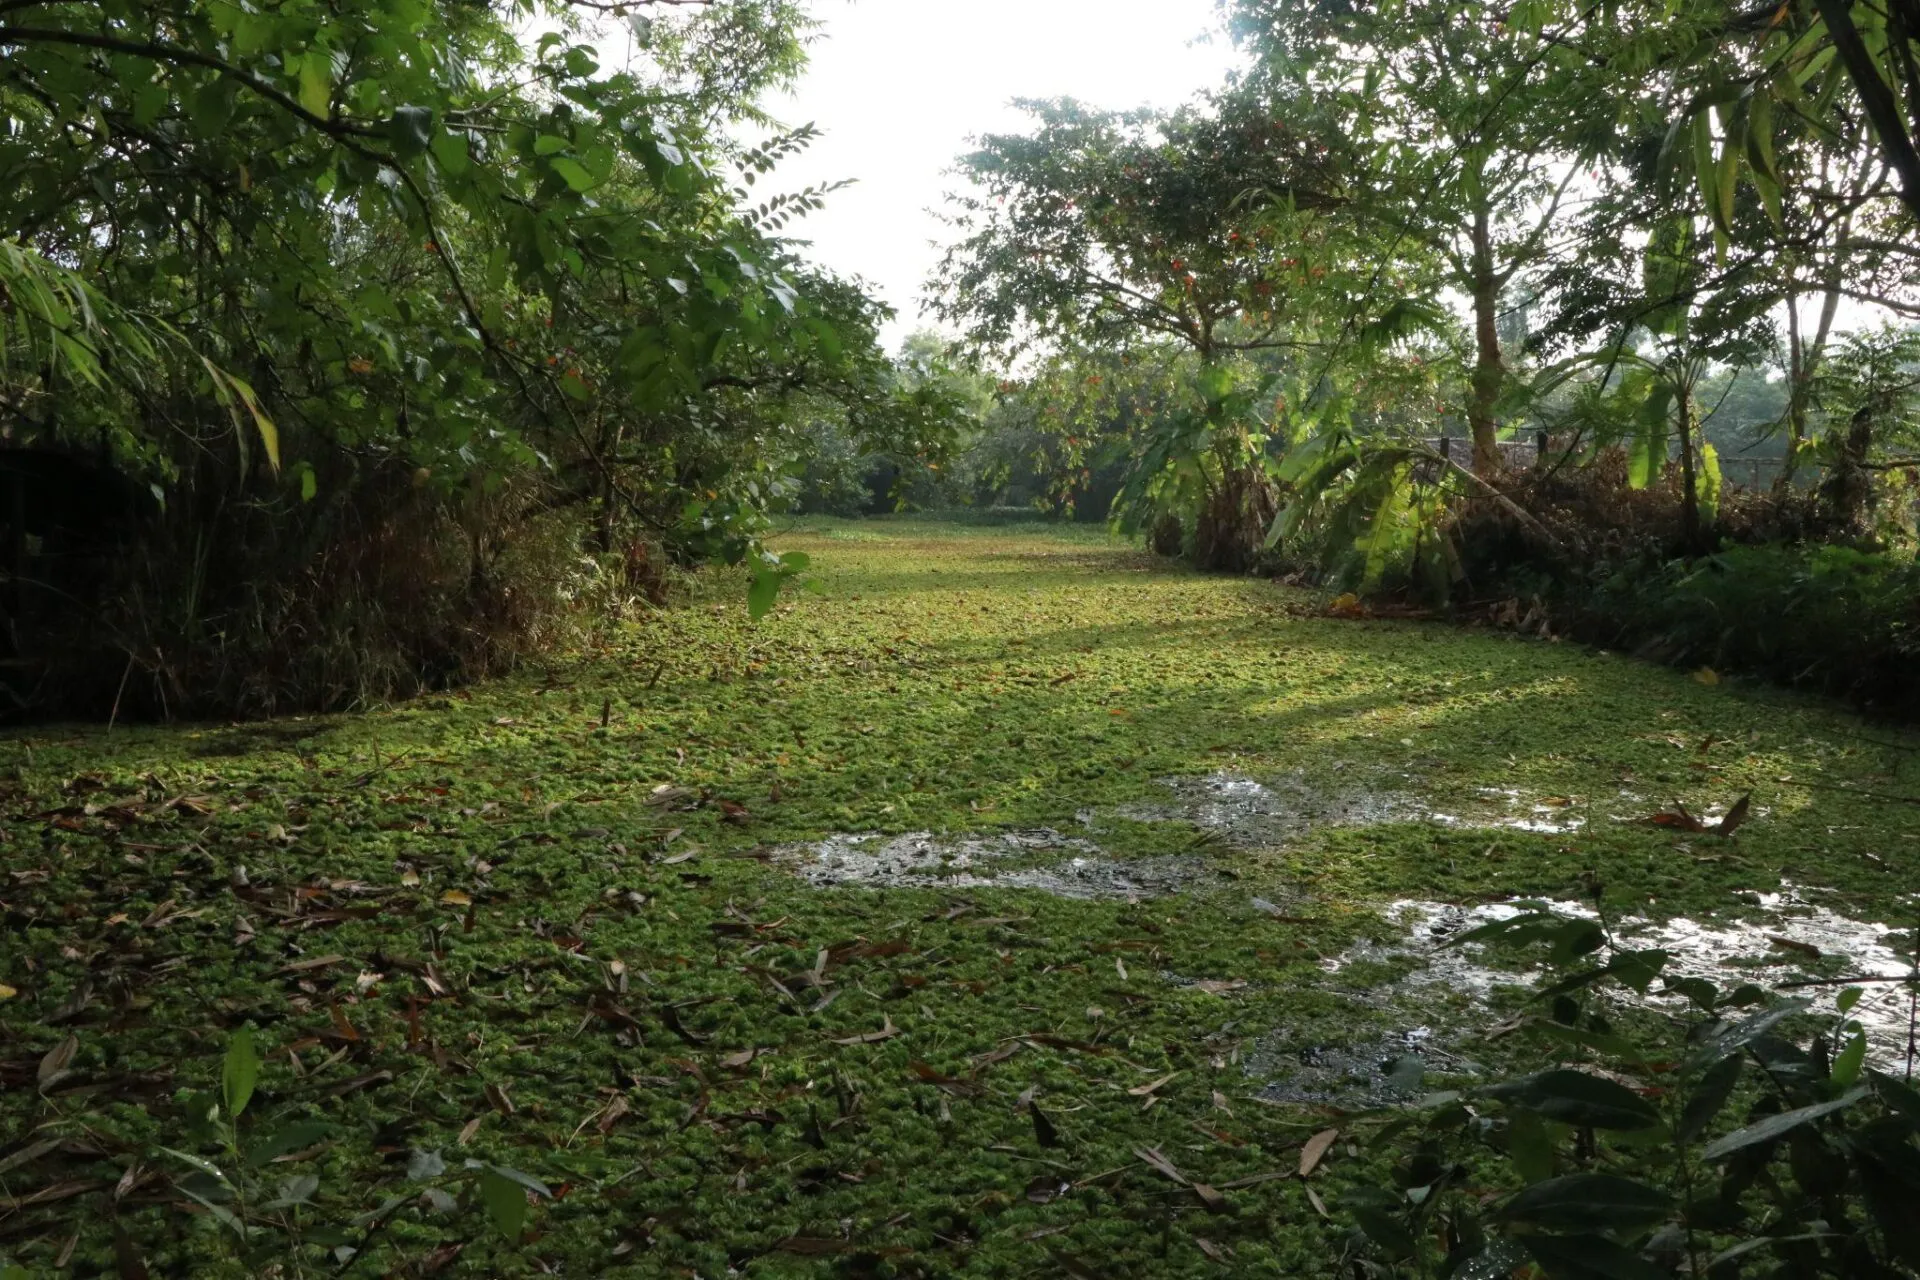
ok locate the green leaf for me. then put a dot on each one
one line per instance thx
(1709, 1096)
(1760, 136)
(572, 172)
(411, 130)
(762, 594)
(1743, 1033)
(309, 485)
(1900, 1096)
(505, 1200)
(1705, 173)
(1577, 937)
(450, 153)
(297, 1189)
(1727, 170)
(297, 1136)
(212, 106)
(1588, 1202)
(1530, 1146)
(316, 82)
(550, 144)
(239, 1072)
(1649, 453)
(1851, 1060)
(201, 1163)
(1710, 482)
(1577, 1098)
(1589, 1257)
(1774, 1127)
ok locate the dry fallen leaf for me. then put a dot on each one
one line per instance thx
(1153, 1157)
(1318, 1206)
(57, 1059)
(1315, 1150)
(1678, 819)
(1147, 1090)
(1735, 816)
(311, 963)
(886, 1032)
(7, 992)
(455, 898)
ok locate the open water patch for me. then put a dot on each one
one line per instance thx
(1384, 1070)
(1249, 813)
(1041, 859)
(1797, 948)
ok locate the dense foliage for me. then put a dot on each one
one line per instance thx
(1497, 224)
(481, 304)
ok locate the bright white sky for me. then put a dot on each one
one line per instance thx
(899, 86)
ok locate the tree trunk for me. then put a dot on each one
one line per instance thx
(1489, 371)
(1849, 485)
(1689, 479)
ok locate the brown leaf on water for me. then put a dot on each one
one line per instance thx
(671, 1016)
(345, 1029)
(27, 1154)
(66, 1190)
(1074, 1267)
(611, 1113)
(1148, 1090)
(1153, 1156)
(1736, 816)
(814, 1246)
(1315, 1150)
(1806, 949)
(307, 965)
(57, 1060)
(887, 1032)
(439, 1259)
(1047, 1187)
(1209, 1248)
(1678, 819)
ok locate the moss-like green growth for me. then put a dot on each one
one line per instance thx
(535, 923)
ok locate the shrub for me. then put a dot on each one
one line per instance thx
(1709, 1144)
(1828, 618)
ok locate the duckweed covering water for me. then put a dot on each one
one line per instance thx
(555, 923)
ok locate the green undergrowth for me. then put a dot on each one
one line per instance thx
(492, 926)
